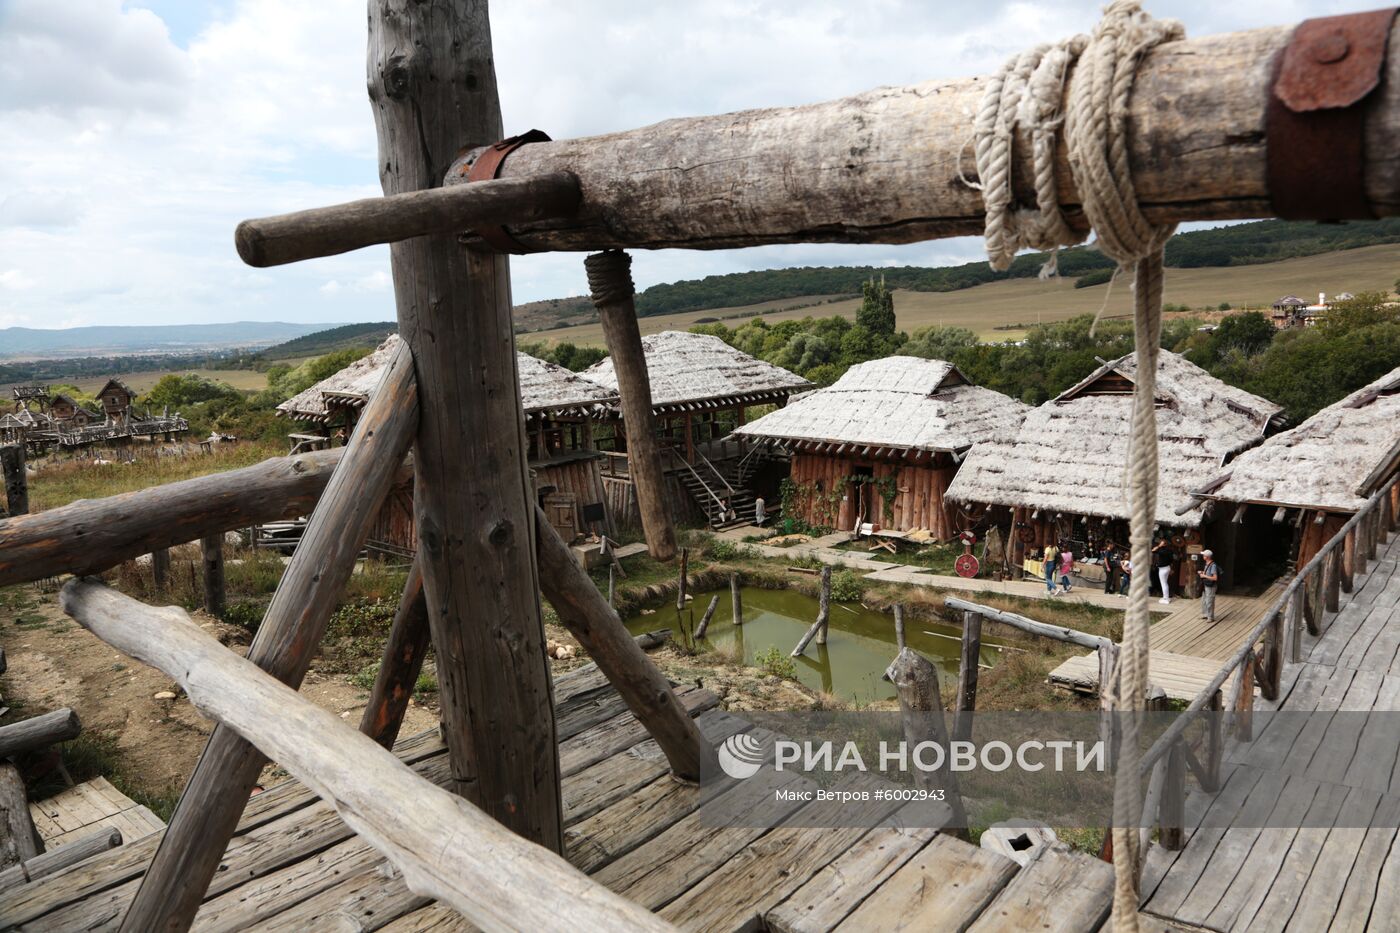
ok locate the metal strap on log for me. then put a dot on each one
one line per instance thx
(445, 847)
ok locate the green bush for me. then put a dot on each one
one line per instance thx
(725, 549)
(846, 586)
(772, 661)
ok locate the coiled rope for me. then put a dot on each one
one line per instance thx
(1099, 71)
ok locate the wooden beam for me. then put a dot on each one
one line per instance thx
(55, 860)
(287, 639)
(326, 231)
(401, 663)
(1196, 147)
(92, 535)
(38, 732)
(445, 847)
(1029, 626)
(432, 87)
(610, 281)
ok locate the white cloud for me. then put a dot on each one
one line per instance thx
(128, 158)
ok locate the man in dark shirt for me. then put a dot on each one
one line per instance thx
(1110, 568)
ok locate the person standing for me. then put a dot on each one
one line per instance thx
(1126, 566)
(1162, 560)
(760, 511)
(1066, 566)
(1109, 556)
(1210, 579)
(1051, 554)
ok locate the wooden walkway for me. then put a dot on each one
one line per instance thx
(88, 807)
(295, 866)
(1314, 772)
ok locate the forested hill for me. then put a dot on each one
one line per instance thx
(1238, 245)
(350, 336)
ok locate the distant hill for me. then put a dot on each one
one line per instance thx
(321, 342)
(32, 343)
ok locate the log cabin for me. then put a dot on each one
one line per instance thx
(1293, 493)
(1061, 477)
(882, 444)
(116, 399)
(561, 410)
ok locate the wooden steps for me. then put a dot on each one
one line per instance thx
(90, 806)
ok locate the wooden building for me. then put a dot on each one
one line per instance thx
(116, 399)
(1293, 492)
(1063, 476)
(882, 444)
(561, 411)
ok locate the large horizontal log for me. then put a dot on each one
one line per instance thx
(91, 535)
(326, 231)
(65, 856)
(1030, 626)
(445, 847)
(883, 166)
(39, 732)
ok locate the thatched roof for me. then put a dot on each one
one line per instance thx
(697, 371)
(1071, 454)
(898, 403)
(544, 388)
(1334, 460)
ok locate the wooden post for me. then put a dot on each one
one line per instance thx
(1215, 743)
(211, 549)
(704, 625)
(16, 481)
(612, 585)
(160, 566)
(1332, 580)
(915, 681)
(610, 279)
(680, 580)
(1312, 607)
(19, 840)
(433, 91)
(1358, 541)
(290, 634)
(1273, 656)
(1242, 700)
(1372, 534)
(823, 610)
(401, 664)
(1348, 550)
(967, 676)
(1172, 812)
(735, 599)
(1293, 626)
(689, 438)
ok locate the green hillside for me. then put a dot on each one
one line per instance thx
(348, 337)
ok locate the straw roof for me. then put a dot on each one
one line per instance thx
(1071, 454)
(694, 371)
(1334, 460)
(899, 403)
(544, 388)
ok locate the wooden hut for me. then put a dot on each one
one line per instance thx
(1062, 478)
(882, 445)
(67, 412)
(561, 409)
(116, 399)
(1300, 486)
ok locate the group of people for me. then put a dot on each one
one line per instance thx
(1118, 572)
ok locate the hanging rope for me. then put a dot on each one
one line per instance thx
(1099, 70)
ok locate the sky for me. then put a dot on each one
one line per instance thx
(135, 135)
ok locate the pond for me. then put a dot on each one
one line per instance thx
(860, 643)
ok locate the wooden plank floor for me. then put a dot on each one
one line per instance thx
(89, 807)
(1339, 870)
(1180, 676)
(293, 865)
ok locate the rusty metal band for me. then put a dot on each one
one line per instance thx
(487, 165)
(1315, 122)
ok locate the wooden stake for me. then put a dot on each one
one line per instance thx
(610, 279)
(290, 634)
(401, 664)
(16, 480)
(19, 840)
(1171, 813)
(967, 676)
(735, 599)
(816, 629)
(915, 680)
(211, 549)
(680, 580)
(612, 585)
(160, 567)
(433, 89)
(704, 625)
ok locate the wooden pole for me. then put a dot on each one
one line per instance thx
(38, 732)
(1332, 580)
(433, 90)
(967, 676)
(1348, 560)
(19, 840)
(680, 580)
(211, 549)
(326, 231)
(401, 664)
(1172, 812)
(90, 536)
(160, 566)
(612, 585)
(816, 629)
(915, 681)
(884, 165)
(704, 625)
(736, 599)
(446, 848)
(16, 480)
(55, 860)
(287, 639)
(610, 279)
(1214, 749)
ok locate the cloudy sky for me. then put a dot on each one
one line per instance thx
(135, 135)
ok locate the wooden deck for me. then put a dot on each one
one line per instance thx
(295, 866)
(1317, 877)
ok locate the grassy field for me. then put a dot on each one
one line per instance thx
(1029, 301)
(141, 382)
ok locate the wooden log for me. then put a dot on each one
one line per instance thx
(1214, 750)
(884, 166)
(327, 231)
(37, 732)
(1151, 809)
(704, 625)
(915, 681)
(1273, 656)
(643, 687)
(1332, 581)
(287, 639)
(823, 612)
(446, 848)
(1030, 626)
(211, 550)
(736, 599)
(1373, 532)
(19, 840)
(1108, 699)
(160, 566)
(401, 664)
(900, 639)
(90, 536)
(432, 88)
(680, 580)
(610, 279)
(16, 480)
(1359, 551)
(649, 640)
(1348, 550)
(1293, 626)
(1241, 702)
(612, 585)
(55, 860)
(967, 676)
(1172, 812)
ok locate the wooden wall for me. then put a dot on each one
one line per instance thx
(1313, 536)
(918, 502)
(621, 498)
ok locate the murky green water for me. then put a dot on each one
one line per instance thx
(859, 647)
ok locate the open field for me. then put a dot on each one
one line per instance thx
(1028, 301)
(141, 382)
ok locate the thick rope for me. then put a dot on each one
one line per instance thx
(1100, 71)
(609, 277)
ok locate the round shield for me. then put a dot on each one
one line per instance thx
(966, 566)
